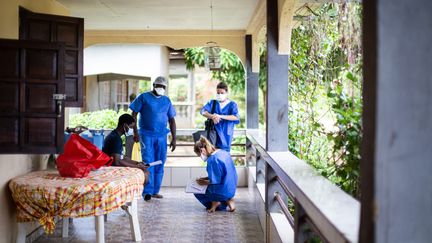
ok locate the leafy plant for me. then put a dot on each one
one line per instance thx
(325, 93)
(102, 119)
(325, 84)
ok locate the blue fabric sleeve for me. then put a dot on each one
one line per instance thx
(207, 107)
(137, 104)
(234, 112)
(171, 111)
(214, 172)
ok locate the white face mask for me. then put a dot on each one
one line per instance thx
(160, 91)
(129, 132)
(221, 97)
(204, 157)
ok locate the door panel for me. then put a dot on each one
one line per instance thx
(41, 64)
(30, 120)
(9, 99)
(9, 63)
(40, 132)
(39, 31)
(9, 131)
(56, 28)
(71, 63)
(70, 88)
(68, 33)
(40, 98)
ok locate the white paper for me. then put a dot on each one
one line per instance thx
(193, 187)
(155, 163)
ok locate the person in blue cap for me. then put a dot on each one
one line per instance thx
(221, 179)
(225, 116)
(156, 110)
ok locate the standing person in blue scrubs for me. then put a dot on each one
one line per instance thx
(156, 110)
(225, 116)
(221, 179)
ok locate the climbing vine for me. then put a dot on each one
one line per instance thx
(325, 92)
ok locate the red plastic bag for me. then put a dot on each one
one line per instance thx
(80, 157)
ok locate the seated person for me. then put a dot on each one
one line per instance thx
(221, 180)
(113, 146)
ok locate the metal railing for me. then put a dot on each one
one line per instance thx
(189, 132)
(286, 194)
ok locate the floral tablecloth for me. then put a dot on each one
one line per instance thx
(42, 195)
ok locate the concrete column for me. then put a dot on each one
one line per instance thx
(397, 207)
(277, 86)
(252, 113)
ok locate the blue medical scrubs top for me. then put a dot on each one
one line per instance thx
(224, 129)
(155, 111)
(222, 174)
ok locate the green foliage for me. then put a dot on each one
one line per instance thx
(103, 119)
(325, 92)
(231, 71)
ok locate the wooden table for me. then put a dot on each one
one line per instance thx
(43, 195)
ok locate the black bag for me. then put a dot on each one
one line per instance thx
(210, 131)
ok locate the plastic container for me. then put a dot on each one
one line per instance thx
(97, 137)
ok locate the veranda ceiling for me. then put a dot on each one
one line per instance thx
(162, 14)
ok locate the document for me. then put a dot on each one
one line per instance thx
(155, 163)
(193, 187)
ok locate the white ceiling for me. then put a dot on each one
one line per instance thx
(162, 14)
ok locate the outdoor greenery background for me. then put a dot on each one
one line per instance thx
(325, 85)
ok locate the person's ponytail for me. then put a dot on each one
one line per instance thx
(204, 143)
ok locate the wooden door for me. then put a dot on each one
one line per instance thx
(31, 73)
(54, 28)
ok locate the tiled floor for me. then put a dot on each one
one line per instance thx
(178, 217)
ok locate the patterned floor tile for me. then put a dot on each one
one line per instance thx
(178, 217)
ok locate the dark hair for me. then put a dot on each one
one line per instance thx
(222, 85)
(125, 119)
(132, 97)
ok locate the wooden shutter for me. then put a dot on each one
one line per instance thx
(54, 28)
(30, 74)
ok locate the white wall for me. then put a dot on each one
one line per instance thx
(12, 166)
(133, 59)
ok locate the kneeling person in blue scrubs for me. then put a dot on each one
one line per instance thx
(221, 180)
(113, 145)
(156, 110)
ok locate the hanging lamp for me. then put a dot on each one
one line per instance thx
(212, 50)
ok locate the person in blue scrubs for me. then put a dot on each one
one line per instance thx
(221, 179)
(225, 116)
(156, 110)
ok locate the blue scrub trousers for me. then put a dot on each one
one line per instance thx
(153, 149)
(207, 198)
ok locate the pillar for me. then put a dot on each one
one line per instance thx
(252, 112)
(277, 86)
(396, 162)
